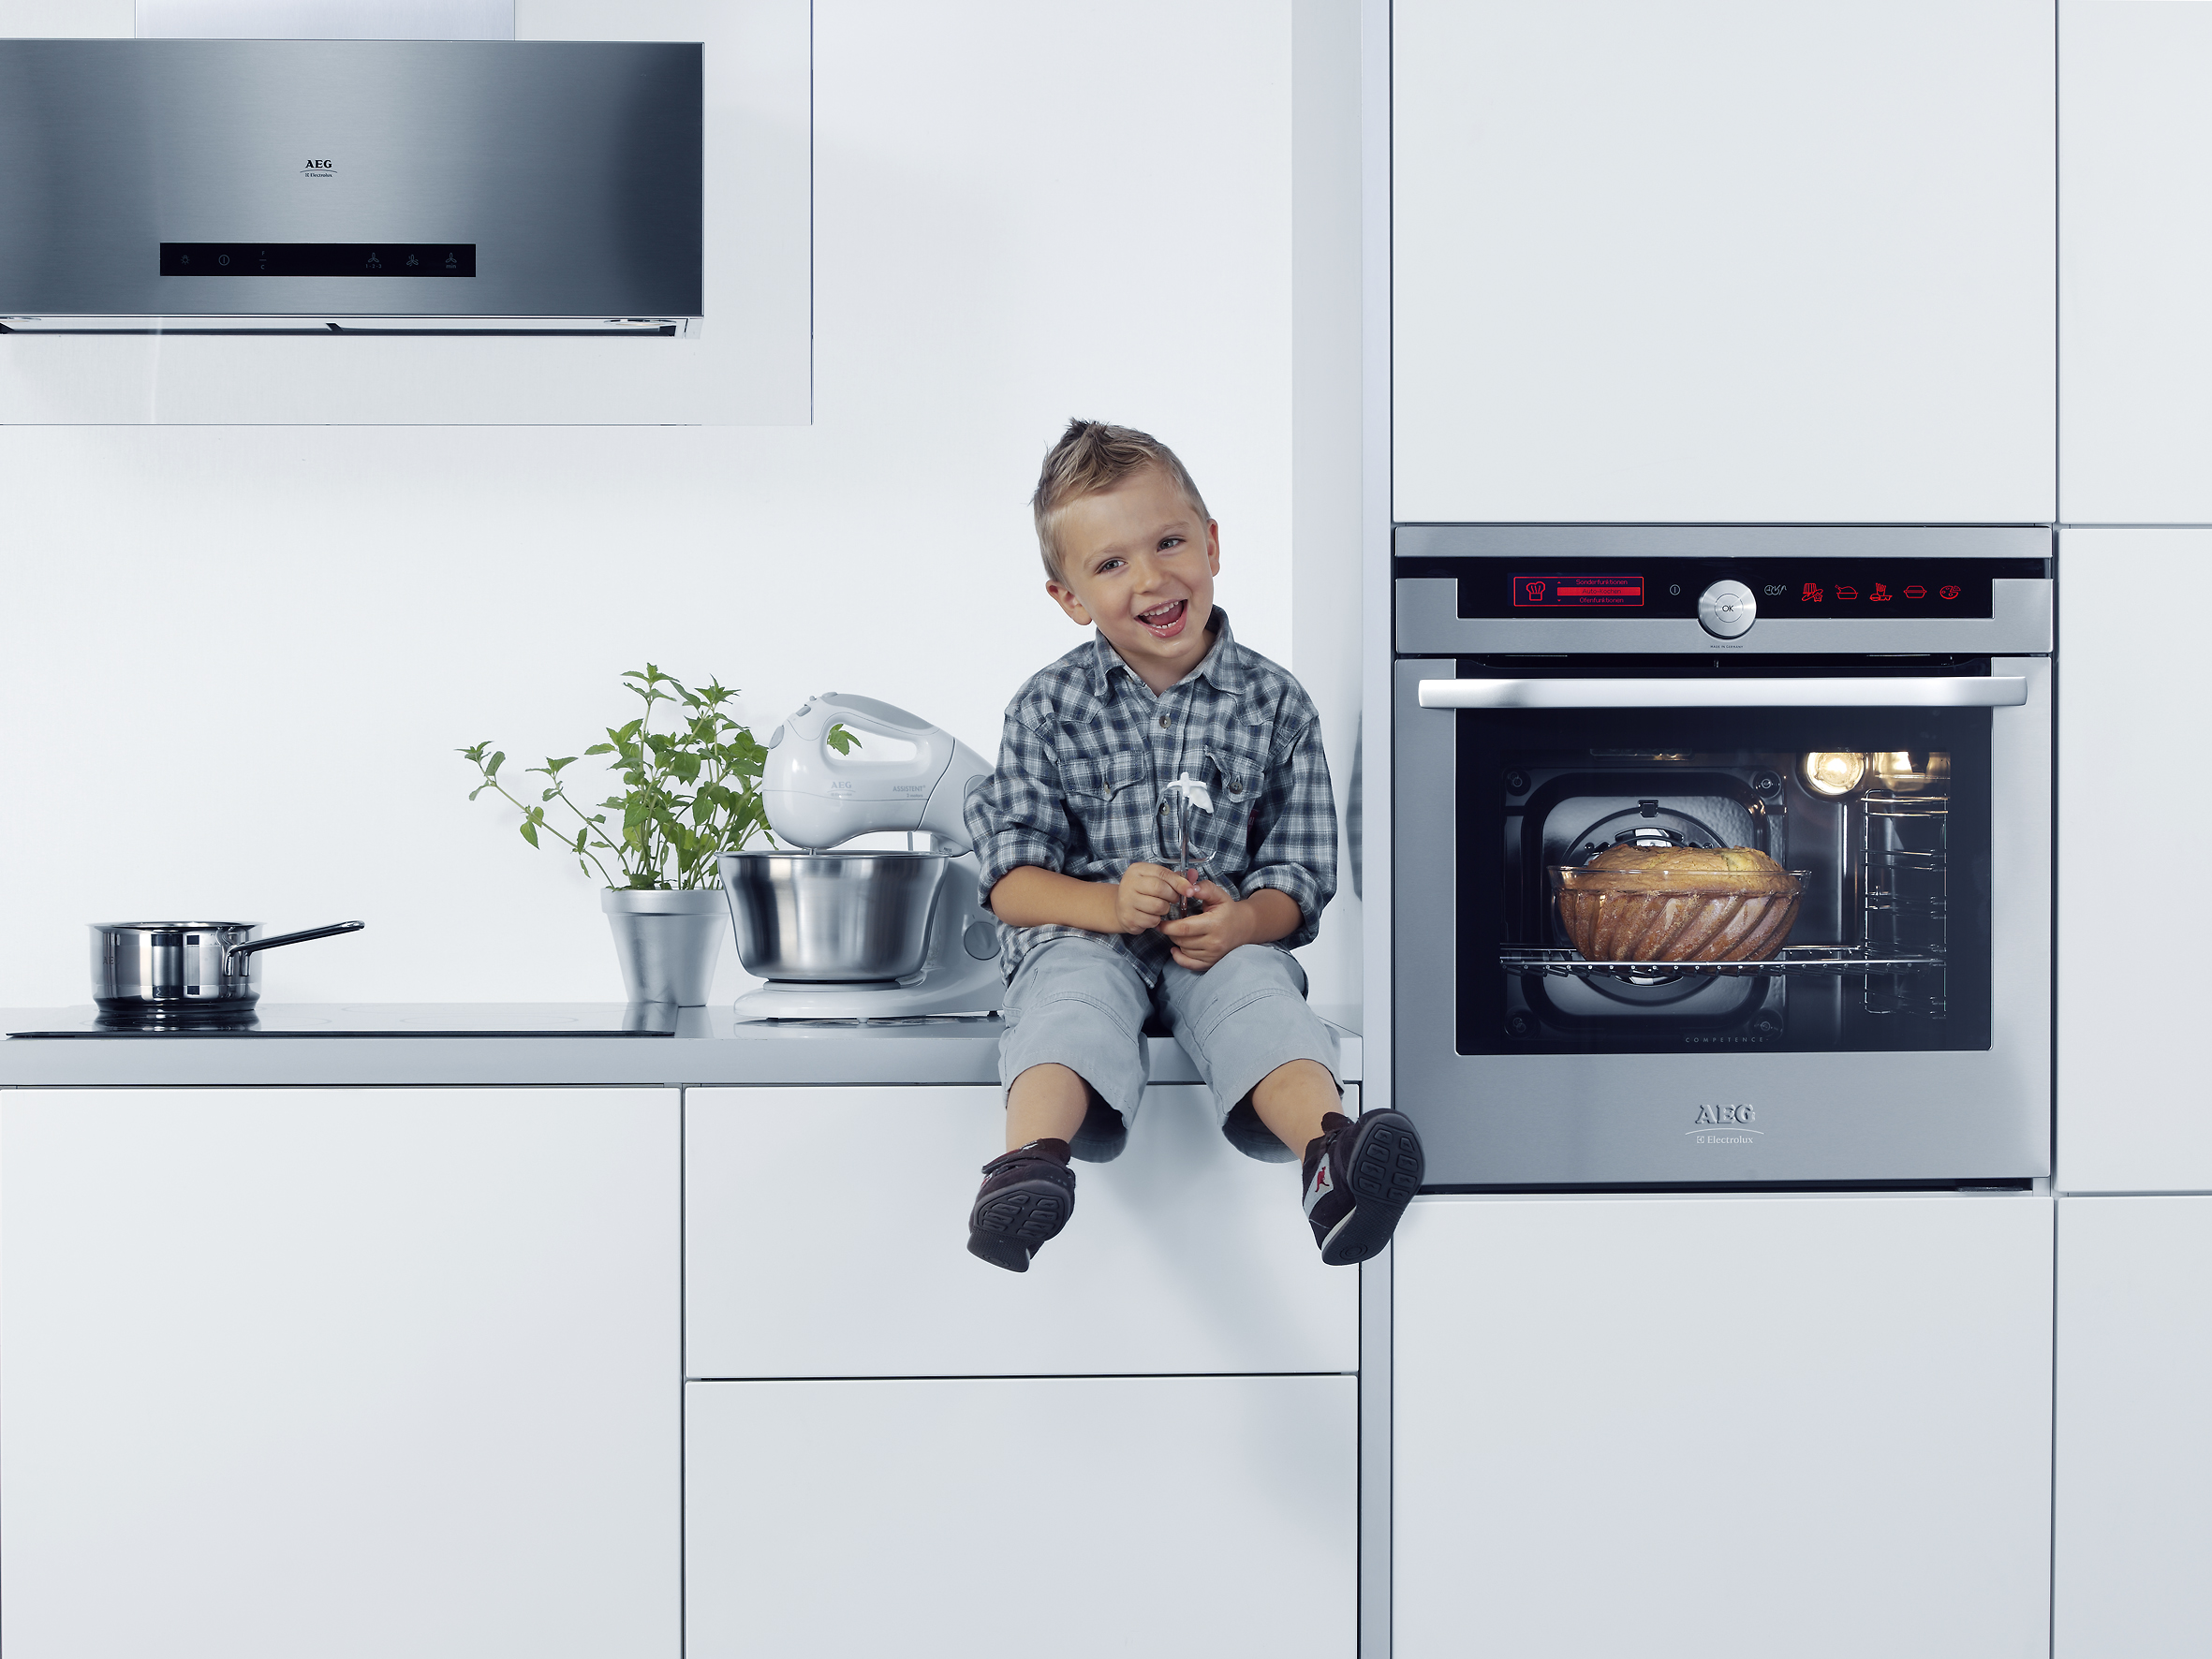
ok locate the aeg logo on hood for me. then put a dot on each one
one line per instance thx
(319, 169)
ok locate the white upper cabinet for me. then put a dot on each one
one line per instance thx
(1721, 261)
(2134, 1109)
(2136, 158)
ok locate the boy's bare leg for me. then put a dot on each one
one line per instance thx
(1047, 1103)
(1289, 1100)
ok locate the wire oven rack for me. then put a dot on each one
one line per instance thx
(1795, 961)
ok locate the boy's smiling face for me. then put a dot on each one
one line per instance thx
(1140, 562)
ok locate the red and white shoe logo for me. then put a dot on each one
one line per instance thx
(1319, 1187)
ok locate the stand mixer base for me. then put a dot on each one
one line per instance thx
(882, 999)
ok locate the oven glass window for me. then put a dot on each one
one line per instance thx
(1652, 881)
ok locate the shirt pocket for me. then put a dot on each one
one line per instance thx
(1237, 777)
(1102, 778)
(1109, 801)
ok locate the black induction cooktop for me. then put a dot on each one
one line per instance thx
(390, 1020)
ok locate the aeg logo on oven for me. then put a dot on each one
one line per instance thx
(1737, 1115)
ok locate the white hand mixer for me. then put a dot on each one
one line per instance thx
(863, 934)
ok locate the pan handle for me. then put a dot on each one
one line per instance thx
(253, 944)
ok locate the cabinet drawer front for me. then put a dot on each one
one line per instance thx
(826, 1234)
(1806, 1425)
(2134, 1446)
(343, 1371)
(1091, 1517)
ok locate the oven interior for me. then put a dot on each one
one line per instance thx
(1882, 814)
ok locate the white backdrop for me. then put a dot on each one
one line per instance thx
(235, 662)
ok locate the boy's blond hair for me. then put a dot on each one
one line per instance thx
(1094, 456)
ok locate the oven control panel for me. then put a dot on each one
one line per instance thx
(1726, 595)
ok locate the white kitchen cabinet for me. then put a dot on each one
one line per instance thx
(2133, 1491)
(1723, 1427)
(2135, 335)
(2134, 1109)
(1103, 1517)
(827, 1235)
(340, 1372)
(1718, 261)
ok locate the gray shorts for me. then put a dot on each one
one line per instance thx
(1081, 1003)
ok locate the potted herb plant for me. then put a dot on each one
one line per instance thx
(689, 793)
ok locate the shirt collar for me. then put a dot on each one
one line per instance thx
(1223, 666)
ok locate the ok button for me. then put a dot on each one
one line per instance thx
(1726, 609)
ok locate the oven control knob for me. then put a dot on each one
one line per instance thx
(1726, 608)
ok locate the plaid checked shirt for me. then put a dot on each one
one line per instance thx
(1087, 746)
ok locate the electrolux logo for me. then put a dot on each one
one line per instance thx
(1726, 1124)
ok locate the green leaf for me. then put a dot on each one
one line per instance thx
(840, 740)
(681, 795)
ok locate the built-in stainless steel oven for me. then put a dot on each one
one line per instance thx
(1723, 855)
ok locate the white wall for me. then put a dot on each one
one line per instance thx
(1325, 442)
(235, 662)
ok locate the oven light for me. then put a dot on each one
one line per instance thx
(1832, 775)
(1902, 774)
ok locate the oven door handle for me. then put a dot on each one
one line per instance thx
(1977, 691)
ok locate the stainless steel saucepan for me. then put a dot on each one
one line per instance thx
(164, 972)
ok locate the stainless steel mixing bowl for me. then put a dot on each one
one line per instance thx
(832, 916)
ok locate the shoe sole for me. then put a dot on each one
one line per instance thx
(1387, 1166)
(1009, 1228)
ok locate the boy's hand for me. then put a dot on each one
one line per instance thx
(1147, 893)
(1201, 941)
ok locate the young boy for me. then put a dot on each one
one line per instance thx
(1080, 841)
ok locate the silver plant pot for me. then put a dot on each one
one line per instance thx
(668, 944)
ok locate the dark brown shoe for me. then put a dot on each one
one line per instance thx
(1028, 1195)
(1360, 1175)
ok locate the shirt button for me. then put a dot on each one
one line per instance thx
(1163, 723)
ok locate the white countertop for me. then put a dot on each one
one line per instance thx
(707, 1047)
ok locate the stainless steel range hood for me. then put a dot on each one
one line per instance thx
(342, 188)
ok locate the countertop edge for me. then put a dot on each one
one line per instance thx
(908, 1056)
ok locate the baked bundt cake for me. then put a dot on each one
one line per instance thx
(1648, 904)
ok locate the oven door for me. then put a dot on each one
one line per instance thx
(1581, 1000)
